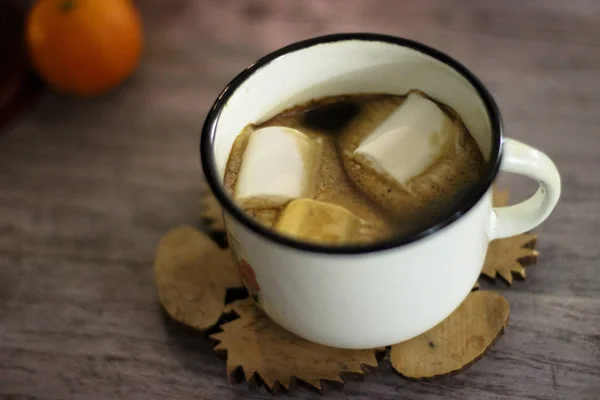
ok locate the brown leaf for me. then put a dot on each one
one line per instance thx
(259, 346)
(212, 212)
(456, 342)
(500, 197)
(507, 256)
(192, 275)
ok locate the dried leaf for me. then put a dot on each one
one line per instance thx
(211, 212)
(192, 275)
(456, 342)
(500, 197)
(259, 346)
(508, 256)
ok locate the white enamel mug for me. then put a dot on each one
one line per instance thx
(384, 293)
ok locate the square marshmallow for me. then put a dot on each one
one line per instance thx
(279, 164)
(410, 140)
(316, 221)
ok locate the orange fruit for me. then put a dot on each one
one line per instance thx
(84, 46)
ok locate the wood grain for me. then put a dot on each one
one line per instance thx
(89, 187)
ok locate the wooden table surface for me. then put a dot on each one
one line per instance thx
(89, 187)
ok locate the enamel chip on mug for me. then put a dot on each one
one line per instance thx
(410, 140)
(279, 165)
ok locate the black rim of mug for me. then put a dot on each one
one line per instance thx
(471, 198)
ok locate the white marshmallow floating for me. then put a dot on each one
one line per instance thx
(410, 140)
(279, 164)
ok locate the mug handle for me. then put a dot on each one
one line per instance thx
(522, 159)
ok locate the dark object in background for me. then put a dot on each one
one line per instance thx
(19, 87)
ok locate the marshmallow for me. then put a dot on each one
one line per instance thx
(410, 140)
(315, 221)
(279, 164)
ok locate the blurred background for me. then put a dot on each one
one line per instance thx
(89, 184)
(134, 148)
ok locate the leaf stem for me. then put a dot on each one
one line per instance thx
(66, 5)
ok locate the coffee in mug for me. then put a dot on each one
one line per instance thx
(354, 168)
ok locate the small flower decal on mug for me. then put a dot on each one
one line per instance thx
(247, 273)
(249, 278)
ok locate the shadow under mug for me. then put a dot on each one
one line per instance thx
(387, 292)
